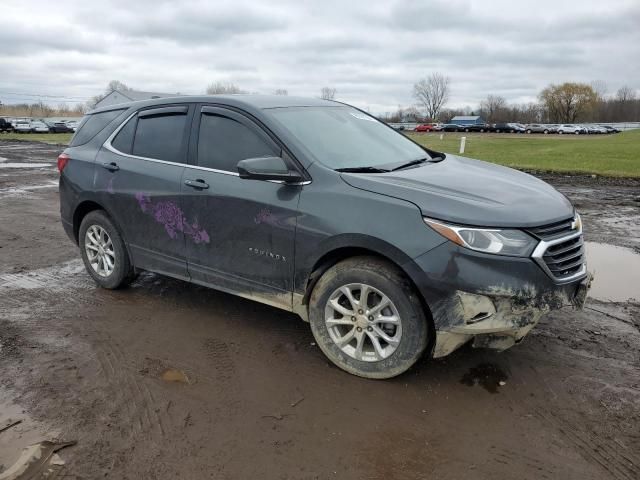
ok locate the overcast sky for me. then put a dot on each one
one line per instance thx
(370, 51)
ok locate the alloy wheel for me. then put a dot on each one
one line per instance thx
(99, 249)
(363, 322)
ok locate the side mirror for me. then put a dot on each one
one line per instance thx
(267, 168)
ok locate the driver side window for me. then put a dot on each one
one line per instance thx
(223, 142)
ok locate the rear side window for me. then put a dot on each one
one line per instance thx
(91, 125)
(123, 141)
(160, 137)
(223, 142)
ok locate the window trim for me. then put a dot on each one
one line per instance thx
(107, 144)
(178, 109)
(152, 112)
(194, 135)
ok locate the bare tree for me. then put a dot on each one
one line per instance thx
(221, 88)
(328, 93)
(117, 85)
(601, 88)
(281, 91)
(492, 107)
(432, 93)
(625, 94)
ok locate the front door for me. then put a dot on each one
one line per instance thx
(138, 176)
(241, 232)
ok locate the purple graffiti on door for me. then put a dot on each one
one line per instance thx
(170, 215)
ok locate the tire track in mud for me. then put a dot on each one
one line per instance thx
(219, 353)
(133, 396)
(589, 445)
(595, 451)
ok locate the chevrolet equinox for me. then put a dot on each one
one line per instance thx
(388, 249)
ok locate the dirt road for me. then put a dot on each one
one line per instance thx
(169, 380)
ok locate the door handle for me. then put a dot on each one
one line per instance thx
(112, 167)
(197, 184)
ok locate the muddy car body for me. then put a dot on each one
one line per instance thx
(270, 198)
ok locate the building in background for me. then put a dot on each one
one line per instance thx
(124, 96)
(467, 120)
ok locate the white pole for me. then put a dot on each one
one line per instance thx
(442, 136)
(463, 140)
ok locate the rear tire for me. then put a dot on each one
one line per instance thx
(356, 337)
(103, 251)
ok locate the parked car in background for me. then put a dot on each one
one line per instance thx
(538, 128)
(73, 125)
(59, 127)
(38, 126)
(476, 127)
(5, 126)
(451, 127)
(241, 194)
(398, 128)
(610, 129)
(428, 127)
(22, 126)
(597, 129)
(507, 128)
(567, 128)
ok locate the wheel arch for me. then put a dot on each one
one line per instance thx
(90, 205)
(339, 253)
(348, 246)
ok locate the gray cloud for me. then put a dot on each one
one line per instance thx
(371, 52)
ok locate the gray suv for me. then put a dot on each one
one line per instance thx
(389, 250)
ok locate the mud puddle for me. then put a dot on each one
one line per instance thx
(487, 375)
(17, 432)
(616, 272)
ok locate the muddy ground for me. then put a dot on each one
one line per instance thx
(170, 380)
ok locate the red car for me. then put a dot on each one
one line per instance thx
(428, 127)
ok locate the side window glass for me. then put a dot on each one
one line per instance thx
(91, 125)
(223, 142)
(160, 137)
(123, 141)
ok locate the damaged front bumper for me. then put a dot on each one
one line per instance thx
(496, 323)
(500, 322)
(489, 300)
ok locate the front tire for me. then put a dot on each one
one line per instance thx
(379, 336)
(103, 251)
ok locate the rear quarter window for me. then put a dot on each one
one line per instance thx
(92, 124)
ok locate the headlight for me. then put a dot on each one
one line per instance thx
(515, 243)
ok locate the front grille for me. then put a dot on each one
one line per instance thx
(553, 230)
(566, 258)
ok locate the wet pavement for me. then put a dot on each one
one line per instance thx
(171, 380)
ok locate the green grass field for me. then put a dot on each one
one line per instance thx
(609, 155)
(61, 138)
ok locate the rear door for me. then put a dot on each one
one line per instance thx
(240, 233)
(138, 176)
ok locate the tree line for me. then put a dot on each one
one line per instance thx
(41, 110)
(563, 103)
(568, 102)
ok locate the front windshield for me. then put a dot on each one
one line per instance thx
(343, 137)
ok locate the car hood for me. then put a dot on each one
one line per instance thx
(471, 192)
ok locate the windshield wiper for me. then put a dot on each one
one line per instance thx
(418, 161)
(362, 170)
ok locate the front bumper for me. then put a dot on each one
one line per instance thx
(491, 300)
